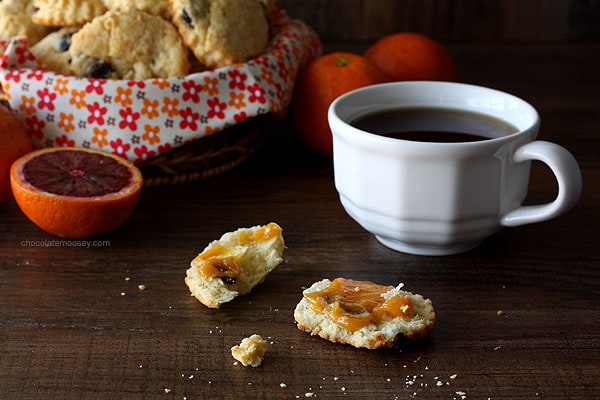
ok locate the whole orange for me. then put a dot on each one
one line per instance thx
(411, 56)
(14, 142)
(75, 192)
(321, 82)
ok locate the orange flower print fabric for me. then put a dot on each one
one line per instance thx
(142, 119)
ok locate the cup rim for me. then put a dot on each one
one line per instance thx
(523, 128)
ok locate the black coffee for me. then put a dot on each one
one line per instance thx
(434, 125)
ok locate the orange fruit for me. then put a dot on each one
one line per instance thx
(14, 142)
(321, 82)
(75, 192)
(411, 56)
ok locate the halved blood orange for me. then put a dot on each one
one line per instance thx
(75, 192)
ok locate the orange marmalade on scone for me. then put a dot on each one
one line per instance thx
(355, 304)
(221, 261)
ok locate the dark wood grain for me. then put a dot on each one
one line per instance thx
(75, 325)
(474, 21)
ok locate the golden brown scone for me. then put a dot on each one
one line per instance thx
(66, 12)
(128, 45)
(154, 7)
(363, 314)
(53, 50)
(15, 20)
(234, 264)
(222, 32)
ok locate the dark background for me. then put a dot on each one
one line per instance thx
(452, 21)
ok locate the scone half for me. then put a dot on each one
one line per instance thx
(234, 264)
(363, 314)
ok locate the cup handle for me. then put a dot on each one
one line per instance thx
(568, 176)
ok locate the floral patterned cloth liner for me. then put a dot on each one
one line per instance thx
(143, 119)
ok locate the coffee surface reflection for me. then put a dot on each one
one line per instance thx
(433, 125)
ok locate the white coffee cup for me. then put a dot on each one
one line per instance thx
(443, 198)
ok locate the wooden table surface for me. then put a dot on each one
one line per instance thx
(517, 317)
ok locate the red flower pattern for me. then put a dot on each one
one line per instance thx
(46, 99)
(24, 55)
(119, 147)
(192, 91)
(64, 141)
(36, 127)
(257, 94)
(163, 148)
(96, 86)
(189, 119)
(14, 75)
(238, 79)
(130, 118)
(143, 153)
(139, 84)
(97, 113)
(240, 117)
(217, 108)
(36, 74)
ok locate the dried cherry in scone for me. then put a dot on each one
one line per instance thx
(100, 70)
(65, 42)
(186, 17)
(227, 273)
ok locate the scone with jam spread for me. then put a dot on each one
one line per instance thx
(363, 314)
(234, 264)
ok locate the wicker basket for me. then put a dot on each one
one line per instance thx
(208, 156)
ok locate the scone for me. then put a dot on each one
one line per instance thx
(66, 12)
(128, 45)
(234, 264)
(15, 20)
(53, 50)
(154, 7)
(363, 314)
(222, 32)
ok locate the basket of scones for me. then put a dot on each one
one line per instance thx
(184, 89)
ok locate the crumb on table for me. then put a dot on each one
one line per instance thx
(250, 351)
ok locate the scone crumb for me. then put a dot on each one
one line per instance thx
(250, 351)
